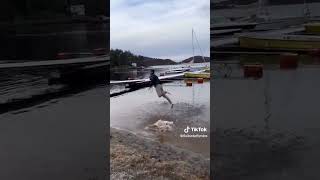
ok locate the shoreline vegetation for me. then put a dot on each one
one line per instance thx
(134, 157)
(121, 58)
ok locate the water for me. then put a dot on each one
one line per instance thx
(275, 11)
(62, 138)
(50, 131)
(133, 73)
(267, 128)
(136, 110)
(43, 42)
(17, 85)
(194, 65)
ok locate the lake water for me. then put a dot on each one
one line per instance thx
(275, 12)
(17, 85)
(267, 128)
(43, 42)
(62, 138)
(136, 110)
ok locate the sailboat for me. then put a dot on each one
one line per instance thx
(202, 73)
(188, 68)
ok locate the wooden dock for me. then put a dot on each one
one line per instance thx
(56, 63)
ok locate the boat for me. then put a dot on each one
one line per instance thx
(222, 23)
(205, 73)
(57, 63)
(280, 42)
(265, 21)
(224, 32)
(177, 70)
(312, 28)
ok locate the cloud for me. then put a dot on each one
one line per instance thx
(160, 29)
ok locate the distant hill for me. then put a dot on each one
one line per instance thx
(147, 61)
(197, 59)
(126, 58)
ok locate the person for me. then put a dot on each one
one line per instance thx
(159, 89)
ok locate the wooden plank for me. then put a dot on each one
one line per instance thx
(223, 42)
(224, 31)
(248, 52)
(226, 62)
(73, 61)
(148, 80)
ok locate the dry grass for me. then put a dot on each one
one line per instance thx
(130, 159)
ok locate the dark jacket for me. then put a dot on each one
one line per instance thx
(154, 80)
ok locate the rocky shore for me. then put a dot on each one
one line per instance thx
(134, 157)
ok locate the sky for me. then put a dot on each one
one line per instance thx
(160, 28)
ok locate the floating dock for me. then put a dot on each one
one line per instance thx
(56, 63)
(313, 28)
(280, 42)
(70, 71)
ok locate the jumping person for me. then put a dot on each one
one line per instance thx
(157, 85)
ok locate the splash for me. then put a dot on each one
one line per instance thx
(161, 126)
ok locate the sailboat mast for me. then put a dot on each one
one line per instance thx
(263, 10)
(195, 36)
(192, 48)
(306, 11)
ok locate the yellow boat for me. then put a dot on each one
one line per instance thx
(312, 28)
(280, 42)
(197, 75)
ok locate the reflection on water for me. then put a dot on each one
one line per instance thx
(125, 74)
(44, 42)
(63, 138)
(136, 110)
(24, 84)
(24, 88)
(267, 128)
(275, 11)
(247, 154)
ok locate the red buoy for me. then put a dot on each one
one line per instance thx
(253, 70)
(189, 83)
(289, 61)
(315, 52)
(200, 80)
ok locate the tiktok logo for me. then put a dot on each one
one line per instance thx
(196, 132)
(186, 130)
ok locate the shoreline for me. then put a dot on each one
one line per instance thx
(21, 103)
(133, 157)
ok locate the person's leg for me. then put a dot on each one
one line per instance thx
(167, 98)
(166, 92)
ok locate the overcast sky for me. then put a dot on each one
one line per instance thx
(160, 28)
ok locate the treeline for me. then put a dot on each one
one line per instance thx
(119, 57)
